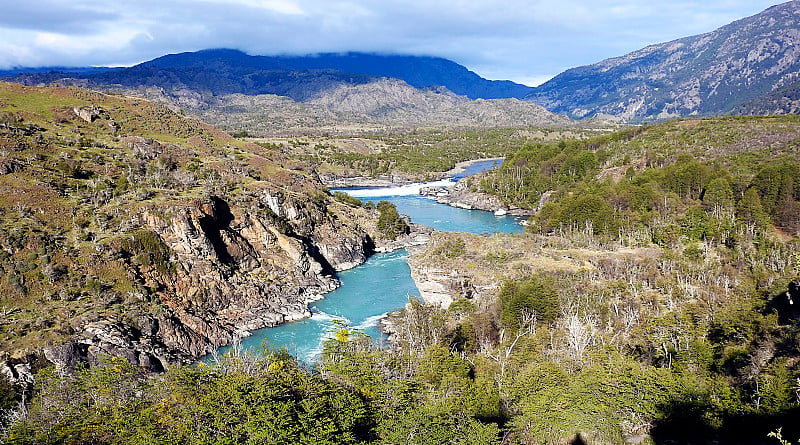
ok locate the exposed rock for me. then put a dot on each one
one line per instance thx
(434, 284)
(144, 148)
(235, 271)
(709, 74)
(18, 374)
(89, 114)
(463, 194)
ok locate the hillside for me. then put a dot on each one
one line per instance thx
(783, 100)
(708, 74)
(658, 282)
(382, 106)
(128, 230)
(650, 300)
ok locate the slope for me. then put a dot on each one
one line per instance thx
(708, 74)
(131, 231)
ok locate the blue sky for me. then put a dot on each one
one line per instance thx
(524, 41)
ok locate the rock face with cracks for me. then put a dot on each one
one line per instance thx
(234, 272)
(156, 240)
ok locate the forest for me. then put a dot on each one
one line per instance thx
(651, 299)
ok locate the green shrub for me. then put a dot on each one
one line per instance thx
(148, 249)
(535, 294)
(390, 224)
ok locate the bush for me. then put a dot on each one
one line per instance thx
(534, 294)
(390, 224)
(148, 249)
(347, 199)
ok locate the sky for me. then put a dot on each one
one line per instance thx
(527, 41)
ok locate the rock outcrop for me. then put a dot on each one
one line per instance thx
(463, 194)
(235, 270)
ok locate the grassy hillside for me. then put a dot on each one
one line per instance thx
(112, 208)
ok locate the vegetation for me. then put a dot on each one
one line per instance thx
(419, 155)
(650, 300)
(390, 224)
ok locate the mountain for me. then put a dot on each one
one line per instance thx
(417, 71)
(55, 70)
(331, 93)
(708, 74)
(382, 105)
(784, 100)
(228, 71)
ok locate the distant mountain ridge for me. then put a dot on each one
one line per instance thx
(230, 71)
(332, 93)
(749, 66)
(713, 73)
(417, 71)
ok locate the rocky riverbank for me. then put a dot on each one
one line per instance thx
(463, 194)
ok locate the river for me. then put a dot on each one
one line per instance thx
(383, 283)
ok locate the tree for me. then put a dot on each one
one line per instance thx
(718, 196)
(749, 209)
(390, 224)
(534, 295)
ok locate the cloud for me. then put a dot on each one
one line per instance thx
(512, 39)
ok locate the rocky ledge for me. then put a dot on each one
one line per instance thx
(419, 235)
(463, 194)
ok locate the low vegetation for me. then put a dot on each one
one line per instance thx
(651, 299)
(420, 154)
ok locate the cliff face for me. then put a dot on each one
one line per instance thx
(169, 240)
(234, 272)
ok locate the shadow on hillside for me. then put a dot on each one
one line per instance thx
(688, 422)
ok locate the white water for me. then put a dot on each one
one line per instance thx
(402, 190)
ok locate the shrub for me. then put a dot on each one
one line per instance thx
(390, 224)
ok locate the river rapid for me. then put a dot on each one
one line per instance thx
(383, 283)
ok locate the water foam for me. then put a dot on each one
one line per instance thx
(370, 322)
(400, 190)
(322, 317)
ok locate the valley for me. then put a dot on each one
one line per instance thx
(218, 247)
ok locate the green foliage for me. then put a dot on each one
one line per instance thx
(536, 295)
(347, 199)
(590, 212)
(390, 224)
(241, 400)
(148, 249)
(750, 210)
(718, 194)
(451, 248)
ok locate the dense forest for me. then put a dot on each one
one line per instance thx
(652, 299)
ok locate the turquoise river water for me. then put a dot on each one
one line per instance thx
(382, 284)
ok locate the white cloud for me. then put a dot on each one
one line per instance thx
(525, 40)
(281, 6)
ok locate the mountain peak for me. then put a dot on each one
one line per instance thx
(711, 73)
